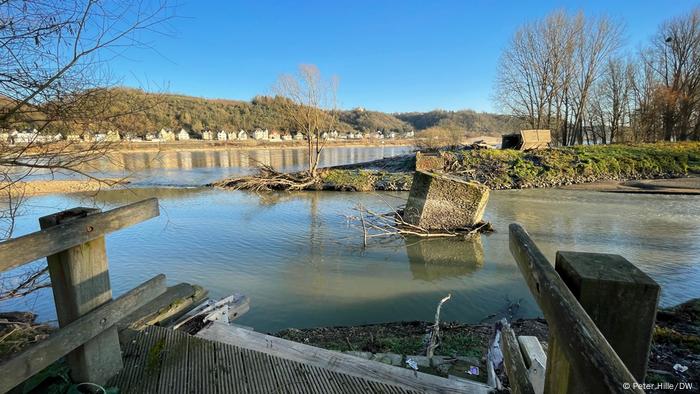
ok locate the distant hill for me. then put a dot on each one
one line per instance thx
(466, 121)
(141, 112)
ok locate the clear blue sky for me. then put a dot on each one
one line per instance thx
(394, 56)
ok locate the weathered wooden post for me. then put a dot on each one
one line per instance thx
(620, 299)
(80, 282)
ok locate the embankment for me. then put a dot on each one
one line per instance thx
(512, 169)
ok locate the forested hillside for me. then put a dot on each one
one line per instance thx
(135, 111)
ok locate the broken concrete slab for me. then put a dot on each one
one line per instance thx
(439, 201)
(430, 161)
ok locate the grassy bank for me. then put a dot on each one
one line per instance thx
(511, 169)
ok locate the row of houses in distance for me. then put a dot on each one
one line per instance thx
(166, 135)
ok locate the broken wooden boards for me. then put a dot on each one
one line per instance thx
(444, 202)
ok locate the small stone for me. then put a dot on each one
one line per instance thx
(388, 358)
(365, 355)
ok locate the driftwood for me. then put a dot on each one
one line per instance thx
(268, 179)
(434, 334)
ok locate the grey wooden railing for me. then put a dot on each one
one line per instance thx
(73, 243)
(600, 310)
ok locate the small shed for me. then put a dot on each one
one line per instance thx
(527, 140)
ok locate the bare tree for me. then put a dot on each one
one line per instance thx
(54, 77)
(547, 72)
(310, 105)
(674, 56)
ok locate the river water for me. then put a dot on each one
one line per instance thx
(303, 265)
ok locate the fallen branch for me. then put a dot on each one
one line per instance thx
(434, 334)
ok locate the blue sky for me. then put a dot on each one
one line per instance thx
(393, 56)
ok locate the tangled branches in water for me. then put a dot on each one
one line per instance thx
(391, 224)
(268, 179)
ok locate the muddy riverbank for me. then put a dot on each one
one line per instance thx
(676, 341)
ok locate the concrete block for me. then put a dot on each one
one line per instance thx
(445, 202)
(429, 161)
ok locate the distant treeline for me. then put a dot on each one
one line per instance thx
(135, 111)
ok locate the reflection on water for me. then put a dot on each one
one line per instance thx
(303, 265)
(438, 258)
(198, 167)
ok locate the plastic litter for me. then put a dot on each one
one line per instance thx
(473, 370)
(680, 368)
(412, 364)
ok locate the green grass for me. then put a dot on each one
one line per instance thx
(365, 180)
(504, 169)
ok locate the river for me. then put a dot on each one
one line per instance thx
(303, 265)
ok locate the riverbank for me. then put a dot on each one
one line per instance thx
(512, 169)
(676, 341)
(56, 186)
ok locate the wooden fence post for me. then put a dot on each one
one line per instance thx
(620, 299)
(80, 282)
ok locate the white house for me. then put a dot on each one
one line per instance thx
(221, 135)
(333, 134)
(274, 136)
(286, 137)
(325, 135)
(298, 136)
(259, 134)
(166, 135)
(183, 135)
(25, 137)
(113, 136)
(232, 135)
(207, 135)
(392, 135)
(242, 135)
(409, 134)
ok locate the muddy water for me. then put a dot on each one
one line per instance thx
(303, 265)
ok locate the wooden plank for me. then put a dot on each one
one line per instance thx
(535, 361)
(30, 247)
(80, 283)
(63, 341)
(514, 363)
(585, 347)
(340, 362)
(174, 303)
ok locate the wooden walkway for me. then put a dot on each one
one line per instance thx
(160, 360)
